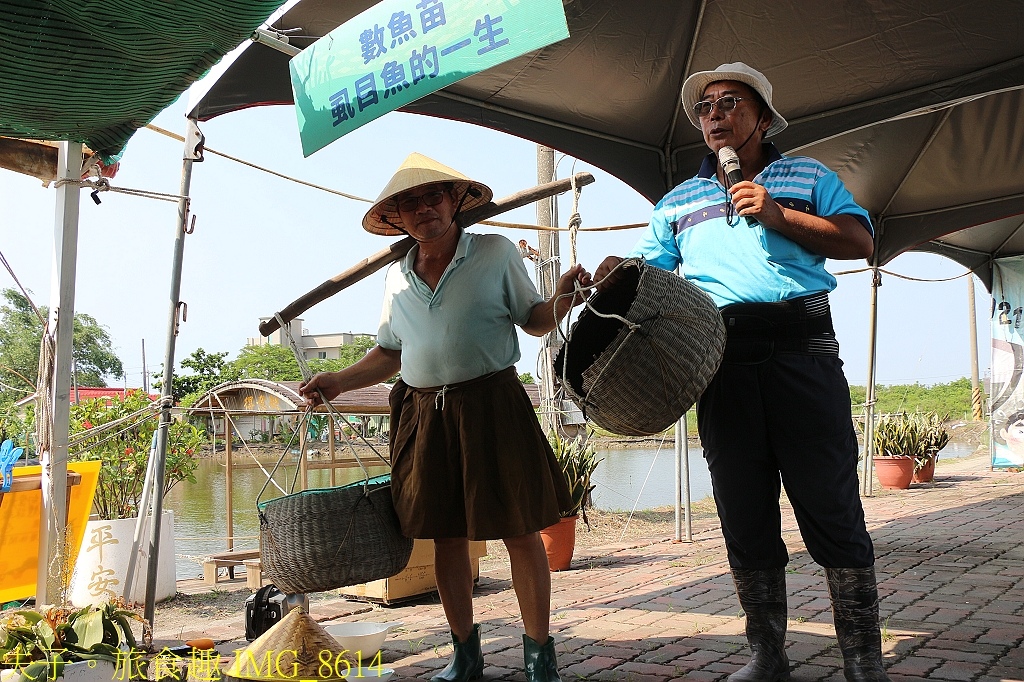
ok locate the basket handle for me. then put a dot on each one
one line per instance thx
(307, 374)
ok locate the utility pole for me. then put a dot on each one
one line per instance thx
(145, 373)
(548, 271)
(977, 413)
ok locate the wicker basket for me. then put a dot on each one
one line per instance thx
(638, 379)
(318, 540)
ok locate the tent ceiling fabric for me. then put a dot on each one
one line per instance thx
(95, 72)
(846, 74)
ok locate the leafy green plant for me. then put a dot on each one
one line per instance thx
(935, 437)
(124, 450)
(40, 644)
(577, 460)
(917, 435)
(899, 435)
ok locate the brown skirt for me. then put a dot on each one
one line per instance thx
(471, 461)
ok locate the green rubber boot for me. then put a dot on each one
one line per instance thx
(762, 594)
(540, 660)
(854, 595)
(467, 661)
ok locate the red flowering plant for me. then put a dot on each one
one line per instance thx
(124, 449)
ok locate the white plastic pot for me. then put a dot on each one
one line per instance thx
(102, 566)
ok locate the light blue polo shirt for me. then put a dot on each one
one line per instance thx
(737, 263)
(466, 327)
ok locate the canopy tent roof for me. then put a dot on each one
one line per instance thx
(95, 72)
(845, 73)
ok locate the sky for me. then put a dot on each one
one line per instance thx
(261, 242)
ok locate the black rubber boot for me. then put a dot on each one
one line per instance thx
(762, 594)
(540, 660)
(854, 595)
(467, 661)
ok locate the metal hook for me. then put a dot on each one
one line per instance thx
(180, 315)
(192, 226)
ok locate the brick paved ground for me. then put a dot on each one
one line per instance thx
(950, 562)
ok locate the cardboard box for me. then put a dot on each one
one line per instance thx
(416, 579)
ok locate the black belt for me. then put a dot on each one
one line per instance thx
(756, 331)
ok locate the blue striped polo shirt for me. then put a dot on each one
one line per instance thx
(732, 261)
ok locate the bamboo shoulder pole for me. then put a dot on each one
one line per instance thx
(372, 264)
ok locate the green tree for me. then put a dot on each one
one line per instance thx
(526, 378)
(953, 398)
(207, 371)
(274, 363)
(20, 335)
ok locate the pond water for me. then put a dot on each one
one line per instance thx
(627, 478)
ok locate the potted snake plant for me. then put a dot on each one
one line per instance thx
(577, 460)
(899, 440)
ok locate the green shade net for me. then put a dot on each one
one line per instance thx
(95, 71)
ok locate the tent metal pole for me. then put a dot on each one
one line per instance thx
(866, 483)
(193, 152)
(51, 570)
(684, 516)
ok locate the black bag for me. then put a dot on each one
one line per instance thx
(267, 607)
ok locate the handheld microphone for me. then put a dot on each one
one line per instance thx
(730, 161)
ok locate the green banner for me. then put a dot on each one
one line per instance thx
(400, 50)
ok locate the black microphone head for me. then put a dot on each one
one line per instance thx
(729, 159)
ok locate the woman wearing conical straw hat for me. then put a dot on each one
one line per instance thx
(469, 460)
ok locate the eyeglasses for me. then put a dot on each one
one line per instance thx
(724, 104)
(410, 204)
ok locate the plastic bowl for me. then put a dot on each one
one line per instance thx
(366, 638)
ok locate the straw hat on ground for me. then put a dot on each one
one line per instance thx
(415, 171)
(294, 649)
(697, 83)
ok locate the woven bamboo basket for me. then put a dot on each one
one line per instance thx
(637, 378)
(318, 540)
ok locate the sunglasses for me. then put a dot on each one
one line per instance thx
(410, 204)
(724, 104)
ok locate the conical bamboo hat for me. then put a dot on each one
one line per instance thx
(415, 171)
(297, 648)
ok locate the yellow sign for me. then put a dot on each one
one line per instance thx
(19, 529)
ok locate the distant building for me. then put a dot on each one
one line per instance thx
(91, 392)
(314, 346)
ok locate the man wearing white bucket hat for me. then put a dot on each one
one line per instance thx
(469, 460)
(753, 229)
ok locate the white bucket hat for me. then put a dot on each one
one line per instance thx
(415, 171)
(693, 90)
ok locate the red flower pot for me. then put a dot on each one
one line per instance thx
(926, 473)
(559, 543)
(894, 472)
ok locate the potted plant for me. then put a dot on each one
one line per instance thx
(935, 436)
(92, 643)
(899, 441)
(124, 450)
(577, 460)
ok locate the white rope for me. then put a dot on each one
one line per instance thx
(575, 221)
(632, 511)
(268, 474)
(103, 185)
(906, 277)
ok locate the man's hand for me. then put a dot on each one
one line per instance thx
(327, 383)
(542, 317)
(838, 236)
(605, 282)
(567, 284)
(752, 199)
(376, 366)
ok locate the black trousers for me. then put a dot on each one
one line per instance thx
(784, 418)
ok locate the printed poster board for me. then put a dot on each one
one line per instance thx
(1007, 389)
(401, 50)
